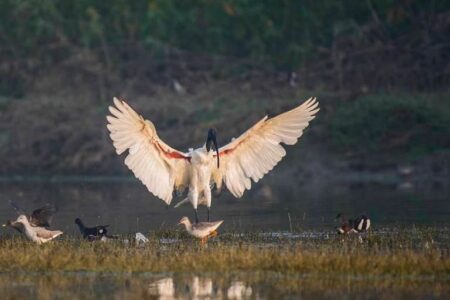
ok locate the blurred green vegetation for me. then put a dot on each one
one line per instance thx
(286, 34)
(68, 58)
(392, 124)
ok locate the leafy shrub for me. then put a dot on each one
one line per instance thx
(391, 123)
(284, 34)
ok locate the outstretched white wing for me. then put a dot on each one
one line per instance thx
(258, 150)
(159, 167)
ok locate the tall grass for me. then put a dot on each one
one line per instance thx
(397, 256)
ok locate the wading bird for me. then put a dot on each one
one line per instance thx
(163, 169)
(202, 230)
(40, 217)
(362, 223)
(36, 234)
(92, 233)
(358, 225)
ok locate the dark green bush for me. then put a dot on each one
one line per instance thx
(393, 124)
(285, 34)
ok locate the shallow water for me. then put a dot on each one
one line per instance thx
(272, 205)
(273, 208)
(84, 285)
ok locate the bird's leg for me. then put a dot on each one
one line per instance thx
(193, 198)
(207, 195)
(203, 241)
(196, 215)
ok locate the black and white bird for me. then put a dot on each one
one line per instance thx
(358, 225)
(40, 217)
(361, 223)
(92, 233)
(163, 169)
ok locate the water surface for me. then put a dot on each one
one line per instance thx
(273, 208)
(85, 285)
(273, 205)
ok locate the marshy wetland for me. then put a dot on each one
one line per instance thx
(380, 146)
(278, 241)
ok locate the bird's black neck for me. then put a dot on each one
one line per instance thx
(81, 225)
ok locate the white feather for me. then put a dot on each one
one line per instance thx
(245, 159)
(257, 151)
(157, 171)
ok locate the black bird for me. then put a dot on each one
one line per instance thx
(358, 225)
(40, 217)
(92, 233)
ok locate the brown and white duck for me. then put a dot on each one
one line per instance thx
(358, 225)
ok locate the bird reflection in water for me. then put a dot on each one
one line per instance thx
(164, 288)
(239, 290)
(198, 288)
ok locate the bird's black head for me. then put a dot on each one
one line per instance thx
(212, 139)
(78, 221)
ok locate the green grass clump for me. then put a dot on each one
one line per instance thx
(376, 255)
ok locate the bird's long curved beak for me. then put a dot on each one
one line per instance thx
(212, 138)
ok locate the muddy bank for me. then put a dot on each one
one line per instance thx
(60, 131)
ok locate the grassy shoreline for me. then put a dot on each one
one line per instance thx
(401, 255)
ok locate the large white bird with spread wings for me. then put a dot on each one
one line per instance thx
(164, 170)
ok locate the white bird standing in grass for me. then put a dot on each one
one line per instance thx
(36, 234)
(202, 230)
(163, 169)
